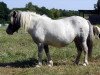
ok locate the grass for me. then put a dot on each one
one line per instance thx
(18, 55)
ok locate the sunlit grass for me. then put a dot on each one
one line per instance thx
(18, 55)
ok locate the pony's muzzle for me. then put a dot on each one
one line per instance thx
(9, 32)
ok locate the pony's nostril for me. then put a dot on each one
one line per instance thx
(99, 35)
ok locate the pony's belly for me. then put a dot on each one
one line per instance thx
(57, 44)
(60, 41)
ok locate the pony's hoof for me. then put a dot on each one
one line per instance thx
(38, 65)
(85, 64)
(50, 64)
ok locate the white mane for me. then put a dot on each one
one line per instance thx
(27, 18)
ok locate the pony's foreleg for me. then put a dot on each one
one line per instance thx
(50, 62)
(85, 48)
(40, 50)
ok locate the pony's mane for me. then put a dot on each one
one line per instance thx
(28, 17)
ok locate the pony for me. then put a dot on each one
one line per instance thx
(58, 33)
(96, 31)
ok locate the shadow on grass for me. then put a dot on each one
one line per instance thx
(29, 63)
(22, 64)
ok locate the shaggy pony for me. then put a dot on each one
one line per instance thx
(58, 33)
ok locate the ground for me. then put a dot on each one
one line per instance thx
(18, 56)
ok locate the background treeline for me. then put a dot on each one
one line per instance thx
(52, 13)
(4, 11)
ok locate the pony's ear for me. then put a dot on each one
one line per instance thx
(14, 13)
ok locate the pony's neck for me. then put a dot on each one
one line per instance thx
(29, 19)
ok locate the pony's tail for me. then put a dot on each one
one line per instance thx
(90, 40)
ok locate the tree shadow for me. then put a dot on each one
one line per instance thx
(22, 64)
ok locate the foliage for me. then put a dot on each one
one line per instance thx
(4, 11)
(52, 13)
(30, 7)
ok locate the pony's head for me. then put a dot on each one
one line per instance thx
(14, 24)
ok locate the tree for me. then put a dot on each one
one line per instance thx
(55, 13)
(46, 12)
(4, 11)
(30, 6)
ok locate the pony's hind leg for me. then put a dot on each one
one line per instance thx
(85, 48)
(90, 46)
(81, 45)
(79, 49)
(40, 50)
(50, 62)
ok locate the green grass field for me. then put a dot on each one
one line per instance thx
(18, 55)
